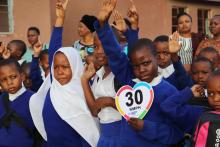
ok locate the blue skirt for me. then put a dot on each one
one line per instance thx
(110, 135)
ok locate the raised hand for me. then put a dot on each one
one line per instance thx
(60, 12)
(61, 7)
(133, 16)
(89, 72)
(174, 46)
(37, 49)
(106, 10)
(2, 48)
(198, 91)
(6, 53)
(120, 24)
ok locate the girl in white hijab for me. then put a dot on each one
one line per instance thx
(59, 109)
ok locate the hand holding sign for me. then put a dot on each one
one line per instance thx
(134, 103)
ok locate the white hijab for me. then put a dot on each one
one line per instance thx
(68, 101)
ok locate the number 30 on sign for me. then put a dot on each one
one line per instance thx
(134, 102)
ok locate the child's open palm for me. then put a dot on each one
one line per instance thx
(6, 53)
(2, 48)
(106, 10)
(89, 71)
(174, 45)
(133, 15)
(60, 8)
(120, 24)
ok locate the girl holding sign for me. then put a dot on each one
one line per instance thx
(59, 109)
(156, 129)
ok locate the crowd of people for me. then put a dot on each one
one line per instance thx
(57, 96)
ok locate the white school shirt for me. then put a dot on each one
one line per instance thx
(166, 72)
(13, 97)
(105, 88)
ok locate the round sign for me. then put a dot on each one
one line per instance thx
(134, 102)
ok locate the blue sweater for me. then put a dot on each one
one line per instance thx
(15, 135)
(180, 79)
(178, 109)
(158, 130)
(35, 74)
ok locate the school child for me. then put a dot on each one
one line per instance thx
(17, 49)
(16, 125)
(201, 69)
(207, 132)
(39, 66)
(141, 65)
(211, 54)
(169, 63)
(100, 97)
(25, 68)
(59, 109)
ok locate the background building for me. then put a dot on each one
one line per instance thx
(156, 16)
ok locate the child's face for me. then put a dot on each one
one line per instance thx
(82, 29)
(27, 81)
(99, 53)
(32, 36)
(213, 88)
(62, 69)
(15, 51)
(213, 57)
(10, 79)
(200, 72)
(163, 55)
(184, 24)
(144, 64)
(44, 63)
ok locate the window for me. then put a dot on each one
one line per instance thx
(175, 12)
(203, 21)
(6, 16)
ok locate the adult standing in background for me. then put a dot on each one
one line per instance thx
(85, 45)
(33, 35)
(189, 41)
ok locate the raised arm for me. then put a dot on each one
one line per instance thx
(56, 36)
(118, 61)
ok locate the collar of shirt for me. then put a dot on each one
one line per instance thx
(12, 97)
(21, 61)
(166, 72)
(154, 82)
(100, 73)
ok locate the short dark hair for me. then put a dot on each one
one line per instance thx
(25, 65)
(182, 14)
(21, 45)
(42, 53)
(215, 73)
(34, 29)
(161, 38)
(210, 50)
(203, 59)
(9, 62)
(140, 43)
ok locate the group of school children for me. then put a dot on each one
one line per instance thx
(62, 99)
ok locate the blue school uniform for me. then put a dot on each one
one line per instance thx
(179, 78)
(59, 133)
(158, 131)
(35, 74)
(15, 135)
(109, 118)
(178, 109)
